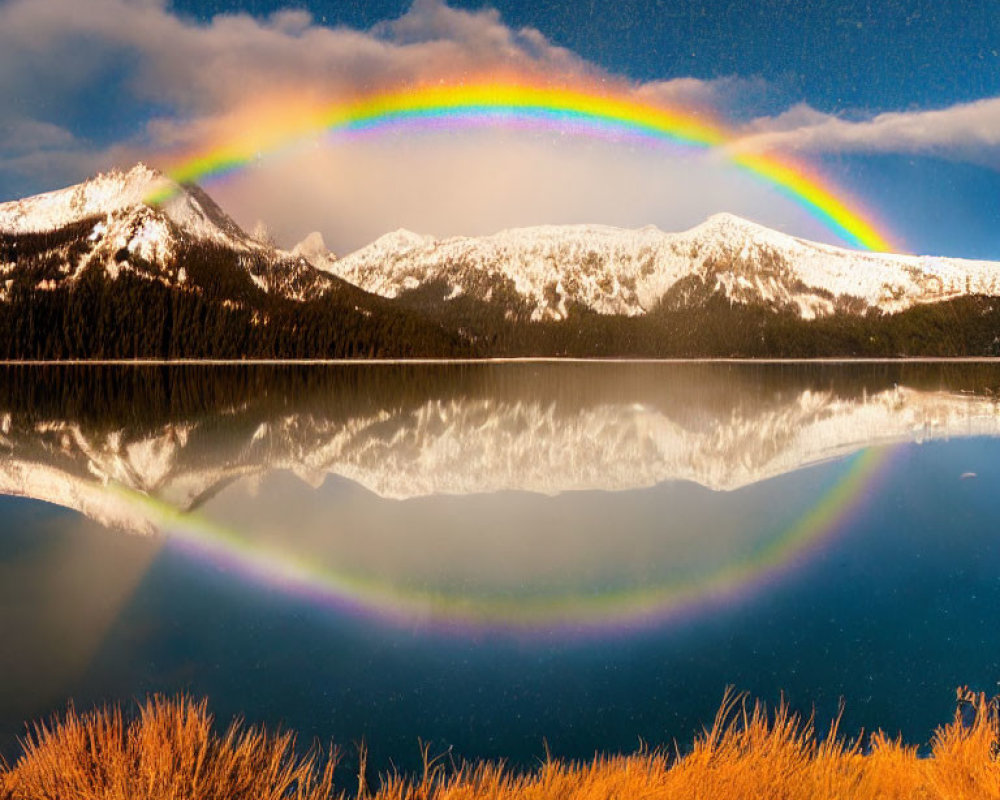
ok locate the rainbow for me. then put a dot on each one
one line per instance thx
(568, 110)
(591, 612)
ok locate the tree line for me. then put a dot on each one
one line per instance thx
(220, 312)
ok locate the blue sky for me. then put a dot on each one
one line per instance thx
(835, 55)
(88, 84)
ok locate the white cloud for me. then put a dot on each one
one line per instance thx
(969, 131)
(20, 135)
(202, 68)
(730, 95)
(34, 152)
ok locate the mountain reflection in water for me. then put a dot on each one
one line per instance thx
(182, 434)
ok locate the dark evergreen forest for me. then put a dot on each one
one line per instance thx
(714, 327)
(222, 313)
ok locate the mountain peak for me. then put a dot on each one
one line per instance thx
(401, 240)
(141, 174)
(408, 238)
(100, 195)
(118, 195)
(728, 218)
(727, 224)
(314, 250)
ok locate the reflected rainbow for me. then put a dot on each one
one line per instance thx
(585, 612)
(586, 112)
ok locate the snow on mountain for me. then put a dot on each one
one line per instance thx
(314, 250)
(118, 197)
(468, 446)
(483, 446)
(139, 222)
(119, 221)
(616, 271)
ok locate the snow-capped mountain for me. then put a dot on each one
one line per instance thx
(160, 264)
(133, 265)
(142, 223)
(116, 198)
(628, 272)
(517, 437)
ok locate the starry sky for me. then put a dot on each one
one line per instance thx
(895, 101)
(835, 55)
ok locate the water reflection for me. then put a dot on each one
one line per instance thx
(604, 547)
(181, 435)
(410, 493)
(62, 587)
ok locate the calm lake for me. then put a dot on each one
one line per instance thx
(495, 557)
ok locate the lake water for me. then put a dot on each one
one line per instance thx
(492, 557)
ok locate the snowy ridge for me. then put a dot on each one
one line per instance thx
(115, 196)
(627, 272)
(481, 446)
(128, 234)
(538, 273)
(471, 446)
(116, 223)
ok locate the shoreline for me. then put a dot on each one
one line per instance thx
(305, 362)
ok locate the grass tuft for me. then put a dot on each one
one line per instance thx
(168, 751)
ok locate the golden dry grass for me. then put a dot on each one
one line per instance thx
(168, 752)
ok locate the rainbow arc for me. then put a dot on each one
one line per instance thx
(578, 111)
(583, 612)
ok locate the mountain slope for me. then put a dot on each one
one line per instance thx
(114, 224)
(131, 265)
(114, 193)
(553, 269)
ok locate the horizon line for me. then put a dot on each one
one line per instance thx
(430, 361)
